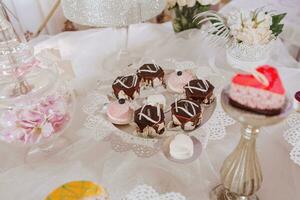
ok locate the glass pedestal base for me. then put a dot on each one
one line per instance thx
(221, 193)
(119, 63)
(41, 152)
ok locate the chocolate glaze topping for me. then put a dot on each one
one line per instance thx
(151, 116)
(187, 111)
(148, 72)
(129, 84)
(199, 90)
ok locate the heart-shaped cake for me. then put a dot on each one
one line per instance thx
(261, 92)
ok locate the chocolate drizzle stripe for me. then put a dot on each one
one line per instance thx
(149, 70)
(141, 114)
(123, 80)
(185, 118)
(187, 112)
(200, 88)
(185, 109)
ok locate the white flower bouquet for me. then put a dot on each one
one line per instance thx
(257, 27)
(248, 34)
(184, 12)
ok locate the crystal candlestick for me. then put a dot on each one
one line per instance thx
(241, 174)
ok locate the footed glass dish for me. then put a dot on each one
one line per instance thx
(35, 104)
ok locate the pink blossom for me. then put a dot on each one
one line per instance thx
(33, 123)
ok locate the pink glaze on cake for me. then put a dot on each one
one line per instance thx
(119, 112)
(249, 80)
(177, 80)
(247, 90)
(256, 98)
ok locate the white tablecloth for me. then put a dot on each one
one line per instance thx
(85, 158)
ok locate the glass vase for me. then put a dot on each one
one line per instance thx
(240, 55)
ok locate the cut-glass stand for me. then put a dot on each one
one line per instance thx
(117, 14)
(241, 174)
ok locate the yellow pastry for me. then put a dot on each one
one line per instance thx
(78, 190)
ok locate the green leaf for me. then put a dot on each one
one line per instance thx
(276, 27)
(177, 26)
(276, 19)
(184, 21)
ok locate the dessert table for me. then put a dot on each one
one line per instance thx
(85, 158)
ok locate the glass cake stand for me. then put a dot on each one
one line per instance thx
(117, 14)
(124, 57)
(241, 174)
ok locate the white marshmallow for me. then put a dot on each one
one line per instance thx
(181, 147)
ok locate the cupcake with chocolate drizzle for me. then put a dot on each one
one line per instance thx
(150, 121)
(127, 87)
(151, 75)
(200, 90)
(187, 114)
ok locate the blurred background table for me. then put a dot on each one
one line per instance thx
(86, 158)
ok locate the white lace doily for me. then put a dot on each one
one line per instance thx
(216, 125)
(292, 136)
(145, 192)
(101, 129)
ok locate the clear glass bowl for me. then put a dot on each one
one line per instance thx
(35, 105)
(37, 119)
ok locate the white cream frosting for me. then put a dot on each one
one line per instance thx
(256, 98)
(150, 131)
(181, 147)
(123, 95)
(189, 126)
(156, 83)
(156, 99)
